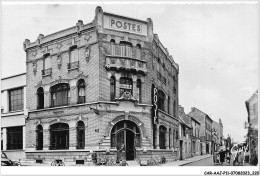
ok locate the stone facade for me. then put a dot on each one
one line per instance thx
(205, 129)
(185, 134)
(99, 59)
(252, 121)
(195, 137)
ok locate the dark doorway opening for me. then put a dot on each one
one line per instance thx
(125, 136)
(130, 149)
(59, 136)
(181, 157)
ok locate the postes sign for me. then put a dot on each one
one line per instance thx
(155, 108)
(121, 24)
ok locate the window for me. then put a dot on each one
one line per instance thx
(39, 137)
(161, 99)
(40, 95)
(112, 88)
(59, 136)
(170, 131)
(14, 138)
(60, 95)
(125, 49)
(113, 47)
(139, 90)
(1, 138)
(122, 130)
(162, 137)
(16, 99)
(73, 58)
(174, 108)
(168, 106)
(46, 65)
(138, 51)
(80, 135)
(126, 85)
(173, 137)
(81, 91)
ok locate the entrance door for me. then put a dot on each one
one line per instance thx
(125, 136)
(130, 149)
(181, 157)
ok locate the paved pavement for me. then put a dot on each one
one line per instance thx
(188, 160)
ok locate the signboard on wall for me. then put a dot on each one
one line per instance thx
(155, 108)
(125, 25)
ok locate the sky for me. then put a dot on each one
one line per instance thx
(215, 45)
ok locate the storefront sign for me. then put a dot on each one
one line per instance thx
(125, 25)
(155, 105)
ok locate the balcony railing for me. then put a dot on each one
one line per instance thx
(125, 63)
(73, 65)
(46, 72)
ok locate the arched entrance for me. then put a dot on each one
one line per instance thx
(125, 137)
(59, 136)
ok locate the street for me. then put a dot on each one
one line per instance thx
(205, 162)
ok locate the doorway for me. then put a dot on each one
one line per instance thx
(181, 147)
(125, 136)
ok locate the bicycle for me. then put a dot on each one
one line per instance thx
(57, 162)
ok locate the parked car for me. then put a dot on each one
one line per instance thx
(5, 161)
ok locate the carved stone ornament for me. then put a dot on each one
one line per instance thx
(87, 53)
(59, 61)
(34, 67)
(127, 96)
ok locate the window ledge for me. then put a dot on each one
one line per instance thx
(70, 69)
(14, 150)
(11, 113)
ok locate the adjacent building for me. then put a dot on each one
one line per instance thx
(13, 105)
(205, 130)
(185, 135)
(195, 137)
(252, 121)
(109, 86)
(215, 143)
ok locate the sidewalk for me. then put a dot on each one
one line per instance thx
(187, 161)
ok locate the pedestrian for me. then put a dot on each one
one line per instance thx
(222, 156)
(240, 157)
(236, 157)
(215, 157)
(228, 156)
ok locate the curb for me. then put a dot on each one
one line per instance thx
(194, 161)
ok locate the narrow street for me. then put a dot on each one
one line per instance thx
(205, 162)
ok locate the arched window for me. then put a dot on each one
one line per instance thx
(173, 137)
(80, 135)
(170, 131)
(138, 51)
(126, 49)
(125, 125)
(81, 91)
(126, 85)
(168, 105)
(162, 137)
(112, 88)
(60, 95)
(139, 90)
(40, 96)
(39, 137)
(174, 108)
(161, 100)
(113, 47)
(59, 133)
